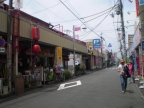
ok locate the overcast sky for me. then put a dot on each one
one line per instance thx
(55, 12)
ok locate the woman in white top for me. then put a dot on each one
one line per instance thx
(123, 79)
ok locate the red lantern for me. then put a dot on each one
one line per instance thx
(36, 33)
(36, 48)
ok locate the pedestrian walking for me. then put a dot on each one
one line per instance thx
(123, 69)
(131, 72)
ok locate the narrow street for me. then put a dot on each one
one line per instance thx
(100, 89)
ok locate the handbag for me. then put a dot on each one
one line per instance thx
(126, 72)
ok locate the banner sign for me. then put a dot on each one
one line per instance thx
(89, 45)
(59, 56)
(96, 43)
(137, 7)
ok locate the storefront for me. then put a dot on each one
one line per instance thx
(135, 54)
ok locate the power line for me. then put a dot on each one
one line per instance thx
(78, 17)
(108, 37)
(51, 11)
(45, 8)
(86, 16)
(95, 17)
(97, 13)
(27, 5)
(101, 21)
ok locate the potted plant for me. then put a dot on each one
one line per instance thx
(67, 74)
(30, 83)
(77, 69)
(82, 70)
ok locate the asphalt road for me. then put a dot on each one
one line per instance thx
(100, 89)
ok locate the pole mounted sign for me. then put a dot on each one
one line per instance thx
(141, 2)
(109, 45)
(2, 42)
(96, 43)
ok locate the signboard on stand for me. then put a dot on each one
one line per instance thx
(38, 75)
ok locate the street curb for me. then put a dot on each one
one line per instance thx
(139, 91)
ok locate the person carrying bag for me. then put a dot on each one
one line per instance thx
(124, 74)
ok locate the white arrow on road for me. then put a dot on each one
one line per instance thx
(69, 85)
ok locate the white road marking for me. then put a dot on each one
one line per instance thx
(62, 86)
(111, 68)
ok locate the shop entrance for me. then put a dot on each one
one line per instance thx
(51, 61)
(87, 64)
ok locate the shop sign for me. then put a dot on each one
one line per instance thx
(2, 42)
(2, 49)
(96, 43)
(89, 44)
(38, 73)
(59, 56)
(137, 37)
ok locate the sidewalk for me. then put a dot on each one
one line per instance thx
(141, 90)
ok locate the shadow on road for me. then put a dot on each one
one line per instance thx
(130, 91)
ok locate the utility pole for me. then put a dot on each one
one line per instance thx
(121, 49)
(74, 49)
(9, 44)
(123, 30)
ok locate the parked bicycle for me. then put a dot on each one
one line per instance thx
(59, 74)
(49, 73)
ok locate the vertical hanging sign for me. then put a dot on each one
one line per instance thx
(59, 56)
(137, 7)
